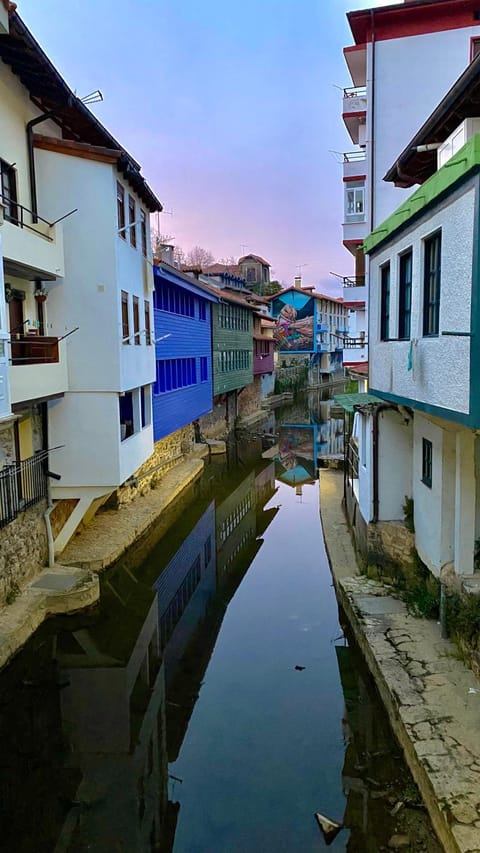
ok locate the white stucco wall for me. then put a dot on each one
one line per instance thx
(441, 365)
(4, 348)
(395, 442)
(434, 508)
(411, 77)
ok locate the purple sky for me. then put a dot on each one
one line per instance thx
(231, 108)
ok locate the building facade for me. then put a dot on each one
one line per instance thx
(393, 48)
(416, 441)
(183, 388)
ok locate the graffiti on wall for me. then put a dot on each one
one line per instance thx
(294, 327)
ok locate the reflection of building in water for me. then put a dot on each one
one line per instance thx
(113, 713)
(184, 588)
(296, 461)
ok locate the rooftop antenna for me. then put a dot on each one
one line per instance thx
(167, 213)
(243, 246)
(92, 97)
(299, 267)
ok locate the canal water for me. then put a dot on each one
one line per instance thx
(212, 703)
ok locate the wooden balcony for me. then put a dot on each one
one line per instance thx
(34, 349)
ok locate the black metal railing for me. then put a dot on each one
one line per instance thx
(355, 92)
(354, 281)
(22, 484)
(354, 156)
(15, 213)
(352, 460)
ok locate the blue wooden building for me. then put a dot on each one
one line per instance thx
(183, 389)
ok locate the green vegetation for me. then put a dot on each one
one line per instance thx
(12, 593)
(351, 386)
(463, 619)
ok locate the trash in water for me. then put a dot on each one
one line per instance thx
(329, 828)
(300, 668)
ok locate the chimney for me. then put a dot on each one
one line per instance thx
(297, 282)
(168, 254)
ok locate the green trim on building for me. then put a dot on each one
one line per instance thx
(427, 408)
(454, 170)
(475, 313)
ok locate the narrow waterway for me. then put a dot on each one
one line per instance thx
(212, 703)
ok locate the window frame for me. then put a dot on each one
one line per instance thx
(136, 320)
(405, 296)
(432, 284)
(143, 231)
(356, 190)
(385, 294)
(131, 221)
(427, 462)
(148, 327)
(8, 179)
(125, 318)
(121, 218)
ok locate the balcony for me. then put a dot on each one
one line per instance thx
(354, 165)
(353, 281)
(322, 327)
(39, 368)
(354, 113)
(31, 250)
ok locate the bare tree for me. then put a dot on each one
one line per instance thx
(199, 257)
(159, 241)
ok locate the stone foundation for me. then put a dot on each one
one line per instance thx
(221, 420)
(250, 398)
(392, 541)
(23, 551)
(167, 453)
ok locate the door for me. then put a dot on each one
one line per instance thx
(15, 309)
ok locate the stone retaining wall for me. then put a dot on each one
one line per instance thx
(23, 550)
(167, 453)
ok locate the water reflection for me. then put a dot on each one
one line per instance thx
(99, 709)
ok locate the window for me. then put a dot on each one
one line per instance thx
(131, 220)
(354, 203)
(125, 322)
(202, 310)
(177, 605)
(145, 405)
(9, 191)
(174, 373)
(126, 415)
(121, 211)
(474, 48)
(143, 231)
(265, 275)
(136, 320)
(427, 462)
(405, 296)
(431, 285)
(207, 551)
(175, 300)
(385, 302)
(203, 368)
(148, 333)
(251, 274)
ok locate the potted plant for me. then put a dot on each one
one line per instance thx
(41, 294)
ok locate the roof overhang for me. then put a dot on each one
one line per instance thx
(161, 272)
(51, 94)
(356, 59)
(412, 18)
(461, 101)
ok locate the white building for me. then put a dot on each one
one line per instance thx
(417, 436)
(404, 58)
(78, 284)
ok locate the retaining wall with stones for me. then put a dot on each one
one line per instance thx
(23, 550)
(167, 453)
(250, 398)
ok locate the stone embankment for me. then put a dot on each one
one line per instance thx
(73, 584)
(432, 698)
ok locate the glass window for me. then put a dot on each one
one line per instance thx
(431, 285)
(427, 454)
(121, 210)
(143, 231)
(125, 321)
(9, 191)
(405, 296)
(136, 320)
(385, 302)
(131, 221)
(148, 332)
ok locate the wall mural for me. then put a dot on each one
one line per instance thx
(294, 329)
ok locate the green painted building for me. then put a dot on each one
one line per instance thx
(232, 343)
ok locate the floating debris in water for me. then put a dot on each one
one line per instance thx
(300, 668)
(330, 828)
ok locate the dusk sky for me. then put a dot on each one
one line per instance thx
(232, 109)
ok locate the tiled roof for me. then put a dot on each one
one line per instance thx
(255, 258)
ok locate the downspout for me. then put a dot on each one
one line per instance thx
(46, 514)
(372, 122)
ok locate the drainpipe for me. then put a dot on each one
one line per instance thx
(46, 514)
(31, 155)
(372, 121)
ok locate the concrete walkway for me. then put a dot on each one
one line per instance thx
(57, 590)
(432, 699)
(112, 532)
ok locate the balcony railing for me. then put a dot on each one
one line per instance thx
(355, 92)
(352, 460)
(22, 484)
(354, 156)
(34, 349)
(353, 281)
